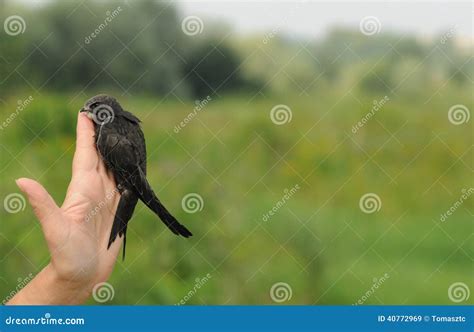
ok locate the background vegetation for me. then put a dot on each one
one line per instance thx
(240, 162)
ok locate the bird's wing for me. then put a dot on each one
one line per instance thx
(121, 155)
(124, 158)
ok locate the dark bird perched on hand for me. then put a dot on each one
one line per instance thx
(121, 145)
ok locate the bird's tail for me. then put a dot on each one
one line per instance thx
(126, 206)
(149, 198)
(155, 205)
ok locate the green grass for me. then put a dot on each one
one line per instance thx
(319, 242)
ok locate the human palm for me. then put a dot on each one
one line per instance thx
(77, 233)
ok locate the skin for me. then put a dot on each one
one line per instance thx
(77, 240)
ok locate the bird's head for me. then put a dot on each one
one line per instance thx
(102, 109)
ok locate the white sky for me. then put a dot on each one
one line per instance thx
(312, 18)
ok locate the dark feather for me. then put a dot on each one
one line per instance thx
(126, 206)
(121, 144)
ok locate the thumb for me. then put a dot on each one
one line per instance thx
(43, 204)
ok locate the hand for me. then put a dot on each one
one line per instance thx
(77, 233)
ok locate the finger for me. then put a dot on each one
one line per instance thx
(42, 203)
(85, 157)
(101, 168)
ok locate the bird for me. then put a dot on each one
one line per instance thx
(120, 143)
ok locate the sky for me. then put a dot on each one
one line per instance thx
(313, 18)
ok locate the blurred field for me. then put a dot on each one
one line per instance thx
(320, 242)
(240, 162)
